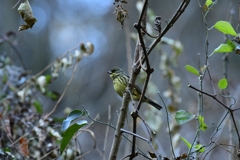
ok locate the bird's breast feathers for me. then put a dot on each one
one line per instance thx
(119, 87)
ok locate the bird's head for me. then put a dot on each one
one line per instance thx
(115, 72)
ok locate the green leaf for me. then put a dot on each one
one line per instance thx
(225, 27)
(192, 70)
(48, 79)
(53, 95)
(199, 148)
(203, 125)
(186, 142)
(38, 106)
(230, 42)
(58, 119)
(7, 149)
(5, 78)
(222, 83)
(183, 116)
(208, 3)
(69, 133)
(75, 114)
(224, 48)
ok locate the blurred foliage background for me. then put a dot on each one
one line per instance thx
(61, 25)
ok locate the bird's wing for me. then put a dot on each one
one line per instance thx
(137, 88)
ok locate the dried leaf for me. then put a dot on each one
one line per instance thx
(26, 13)
(23, 27)
(152, 155)
(24, 146)
(121, 14)
(184, 156)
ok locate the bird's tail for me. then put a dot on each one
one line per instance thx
(157, 106)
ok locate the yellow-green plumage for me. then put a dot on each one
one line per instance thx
(120, 81)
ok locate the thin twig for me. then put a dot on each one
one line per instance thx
(110, 125)
(45, 156)
(16, 4)
(175, 17)
(220, 145)
(16, 51)
(64, 91)
(141, 21)
(145, 139)
(169, 130)
(228, 108)
(47, 67)
(13, 144)
(106, 134)
(94, 138)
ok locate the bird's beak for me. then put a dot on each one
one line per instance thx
(109, 72)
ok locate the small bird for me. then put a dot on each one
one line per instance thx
(120, 81)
